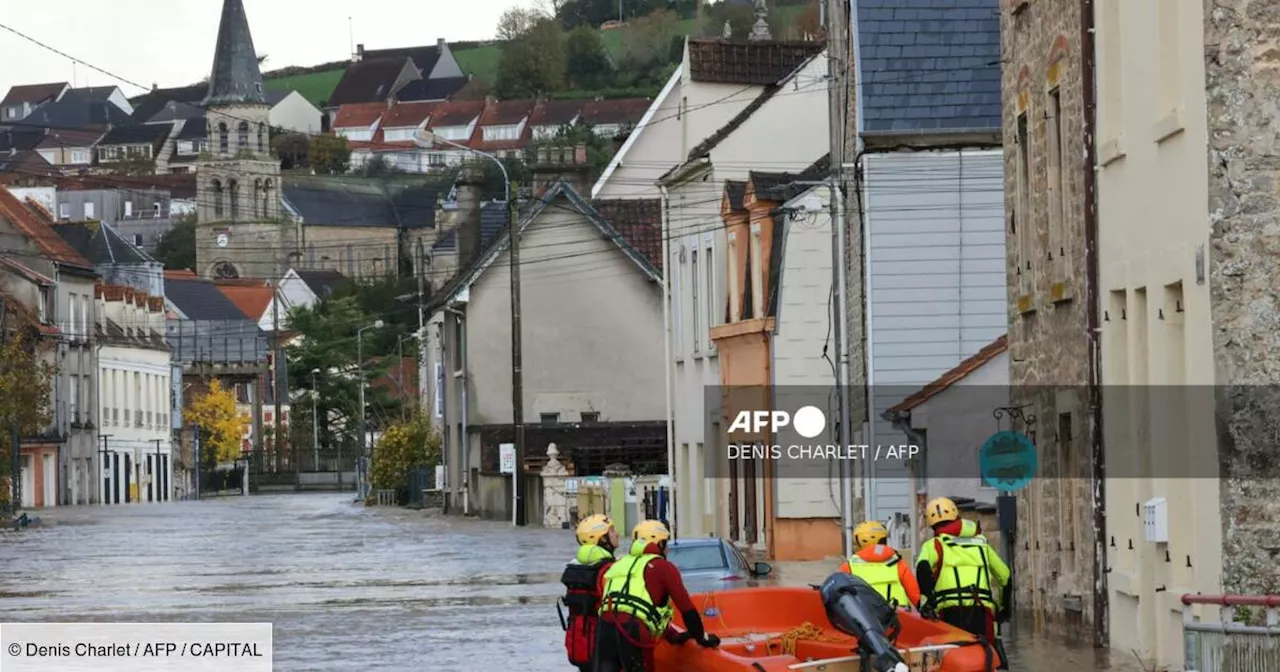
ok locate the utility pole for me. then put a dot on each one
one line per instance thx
(275, 368)
(103, 495)
(155, 474)
(517, 363)
(195, 432)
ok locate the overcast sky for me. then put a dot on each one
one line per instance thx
(170, 42)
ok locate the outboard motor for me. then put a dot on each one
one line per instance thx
(855, 608)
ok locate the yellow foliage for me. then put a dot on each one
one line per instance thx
(222, 428)
(402, 448)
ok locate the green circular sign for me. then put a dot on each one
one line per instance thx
(1008, 460)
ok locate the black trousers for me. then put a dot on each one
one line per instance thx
(974, 619)
(616, 652)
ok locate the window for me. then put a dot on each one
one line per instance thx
(64, 211)
(757, 273)
(457, 343)
(74, 401)
(1021, 222)
(224, 138)
(262, 138)
(549, 418)
(46, 304)
(435, 160)
(88, 210)
(218, 210)
(492, 133)
(398, 134)
(85, 323)
(677, 323)
(233, 192)
(735, 294)
(712, 297)
(137, 399)
(128, 208)
(693, 302)
(266, 197)
(79, 156)
(1057, 188)
(242, 136)
(155, 210)
(590, 416)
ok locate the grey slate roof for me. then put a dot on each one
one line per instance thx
(141, 134)
(193, 129)
(363, 202)
(201, 300)
(236, 78)
(430, 89)
(175, 110)
(493, 217)
(930, 65)
(321, 281)
(79, 108)
(101, 244)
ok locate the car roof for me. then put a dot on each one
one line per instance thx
(696, 541)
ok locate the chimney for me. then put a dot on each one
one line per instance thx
(440, 44)
(490, 100)
(562, 164)
(155, 86)
(468, 236)
(359, 55)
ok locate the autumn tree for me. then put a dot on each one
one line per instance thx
(293, 149)
(222, 427)
(329, 154)
(401, 449)
(26, 377)
(533, 63)
(587, 63)
(515, 22)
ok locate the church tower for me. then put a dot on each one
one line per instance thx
(240, 231)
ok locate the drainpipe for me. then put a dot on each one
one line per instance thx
(444, 412)
(464, 440)
(667, 364)
(1101, 636)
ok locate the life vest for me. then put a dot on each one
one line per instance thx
(882, 575)
(963, 578)
(625, 592)
(581, 599)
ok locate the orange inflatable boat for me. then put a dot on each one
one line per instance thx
(776, 629)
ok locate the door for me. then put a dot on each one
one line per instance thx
(128, 479)
(28, 481)
(749, 501)
(151, 478)
(50, 480)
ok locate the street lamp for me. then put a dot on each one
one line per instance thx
(427, 140)
(315, 421)
(360, 367)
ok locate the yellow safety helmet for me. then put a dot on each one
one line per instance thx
(940, 510)
(594, 528)
(651, 531)
(870, 533)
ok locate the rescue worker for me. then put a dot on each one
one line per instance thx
(597, 539)
(882, 567)
(962, 578)
(640, 594)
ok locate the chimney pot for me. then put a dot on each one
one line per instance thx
(542, 154)
(490, 100)
(580, 154)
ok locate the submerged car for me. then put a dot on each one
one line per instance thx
(712, 564)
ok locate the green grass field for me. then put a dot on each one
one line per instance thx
(481, 62)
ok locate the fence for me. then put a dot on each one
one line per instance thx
(1226, 645)
(216, 341)
(221, 480)
(656, 500)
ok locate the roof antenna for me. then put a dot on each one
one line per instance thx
(73, 74)
(351, 35)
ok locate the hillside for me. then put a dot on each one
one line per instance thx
(478, 59)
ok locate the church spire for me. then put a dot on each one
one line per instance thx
(236, 79)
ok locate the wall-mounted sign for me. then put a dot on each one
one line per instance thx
(1008, 460)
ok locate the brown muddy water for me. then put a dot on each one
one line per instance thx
(346, 586)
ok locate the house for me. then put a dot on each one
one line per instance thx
(24, 99)
(503, 128)
(949, 419)
(69, 149)
(550, 116)
(95, 106)
(454, 121)
(117, 261)
(302, 288)
(134, 396)
(66, 307)
(139, 215)
(769, 320)
(189, 142)
(411, 74)
(254, 299)
(692, 191)
(446, 255)
(290, 110)
(716, 80)
(24, 293)
(591, 377)
(615, 117)
(1054, 371)
(136, 148)
(934, 254)
(25, 167)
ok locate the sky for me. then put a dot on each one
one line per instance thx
(170, 42)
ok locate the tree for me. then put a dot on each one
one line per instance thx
(26, 377)
(378, 166)
(401, 449)
(222, 427)
(741, 18)
(534, 63)
(808, 25)
(177, 247)
(329, 154)
(587, 64)
(646, 43)
(293, 149)
(516, 22)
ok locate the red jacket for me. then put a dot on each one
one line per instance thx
(662, 580)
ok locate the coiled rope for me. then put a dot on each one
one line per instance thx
(807, 632)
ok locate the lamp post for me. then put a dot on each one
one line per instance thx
(360, 367)
(315, 421)
(429, 139)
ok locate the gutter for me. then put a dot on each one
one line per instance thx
(684, 172)
(1101, 634)
(465, 438)
(667, 363)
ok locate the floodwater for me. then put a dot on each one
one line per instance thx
(345, 586)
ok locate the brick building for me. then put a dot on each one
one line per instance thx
(1054, 554)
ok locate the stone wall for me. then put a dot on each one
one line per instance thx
(1048, 334)
(1242, 88)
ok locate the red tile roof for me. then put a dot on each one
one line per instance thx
(253, 301)
(402, 115)
(616, 111)
(456, 113)
(555, 112)
(70, 138)
(953, 376)
(639, 221)
(42, 235)
(505, 112)
(33, 93)
(359, 115)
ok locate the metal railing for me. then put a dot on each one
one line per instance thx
(1228, 645)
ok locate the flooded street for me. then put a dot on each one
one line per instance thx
(345, 586)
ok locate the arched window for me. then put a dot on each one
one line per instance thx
(257, 190)
(224, 137)
(234, 189)
(225, 270)
(266, 198)
(242, 138)
(217, 200)
(262, 138)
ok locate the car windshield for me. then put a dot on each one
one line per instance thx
(693, 558)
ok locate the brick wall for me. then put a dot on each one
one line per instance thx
(1048, 331)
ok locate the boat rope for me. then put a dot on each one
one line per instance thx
(806, 632)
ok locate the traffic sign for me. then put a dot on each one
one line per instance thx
(507, 458)
(1008, 460)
